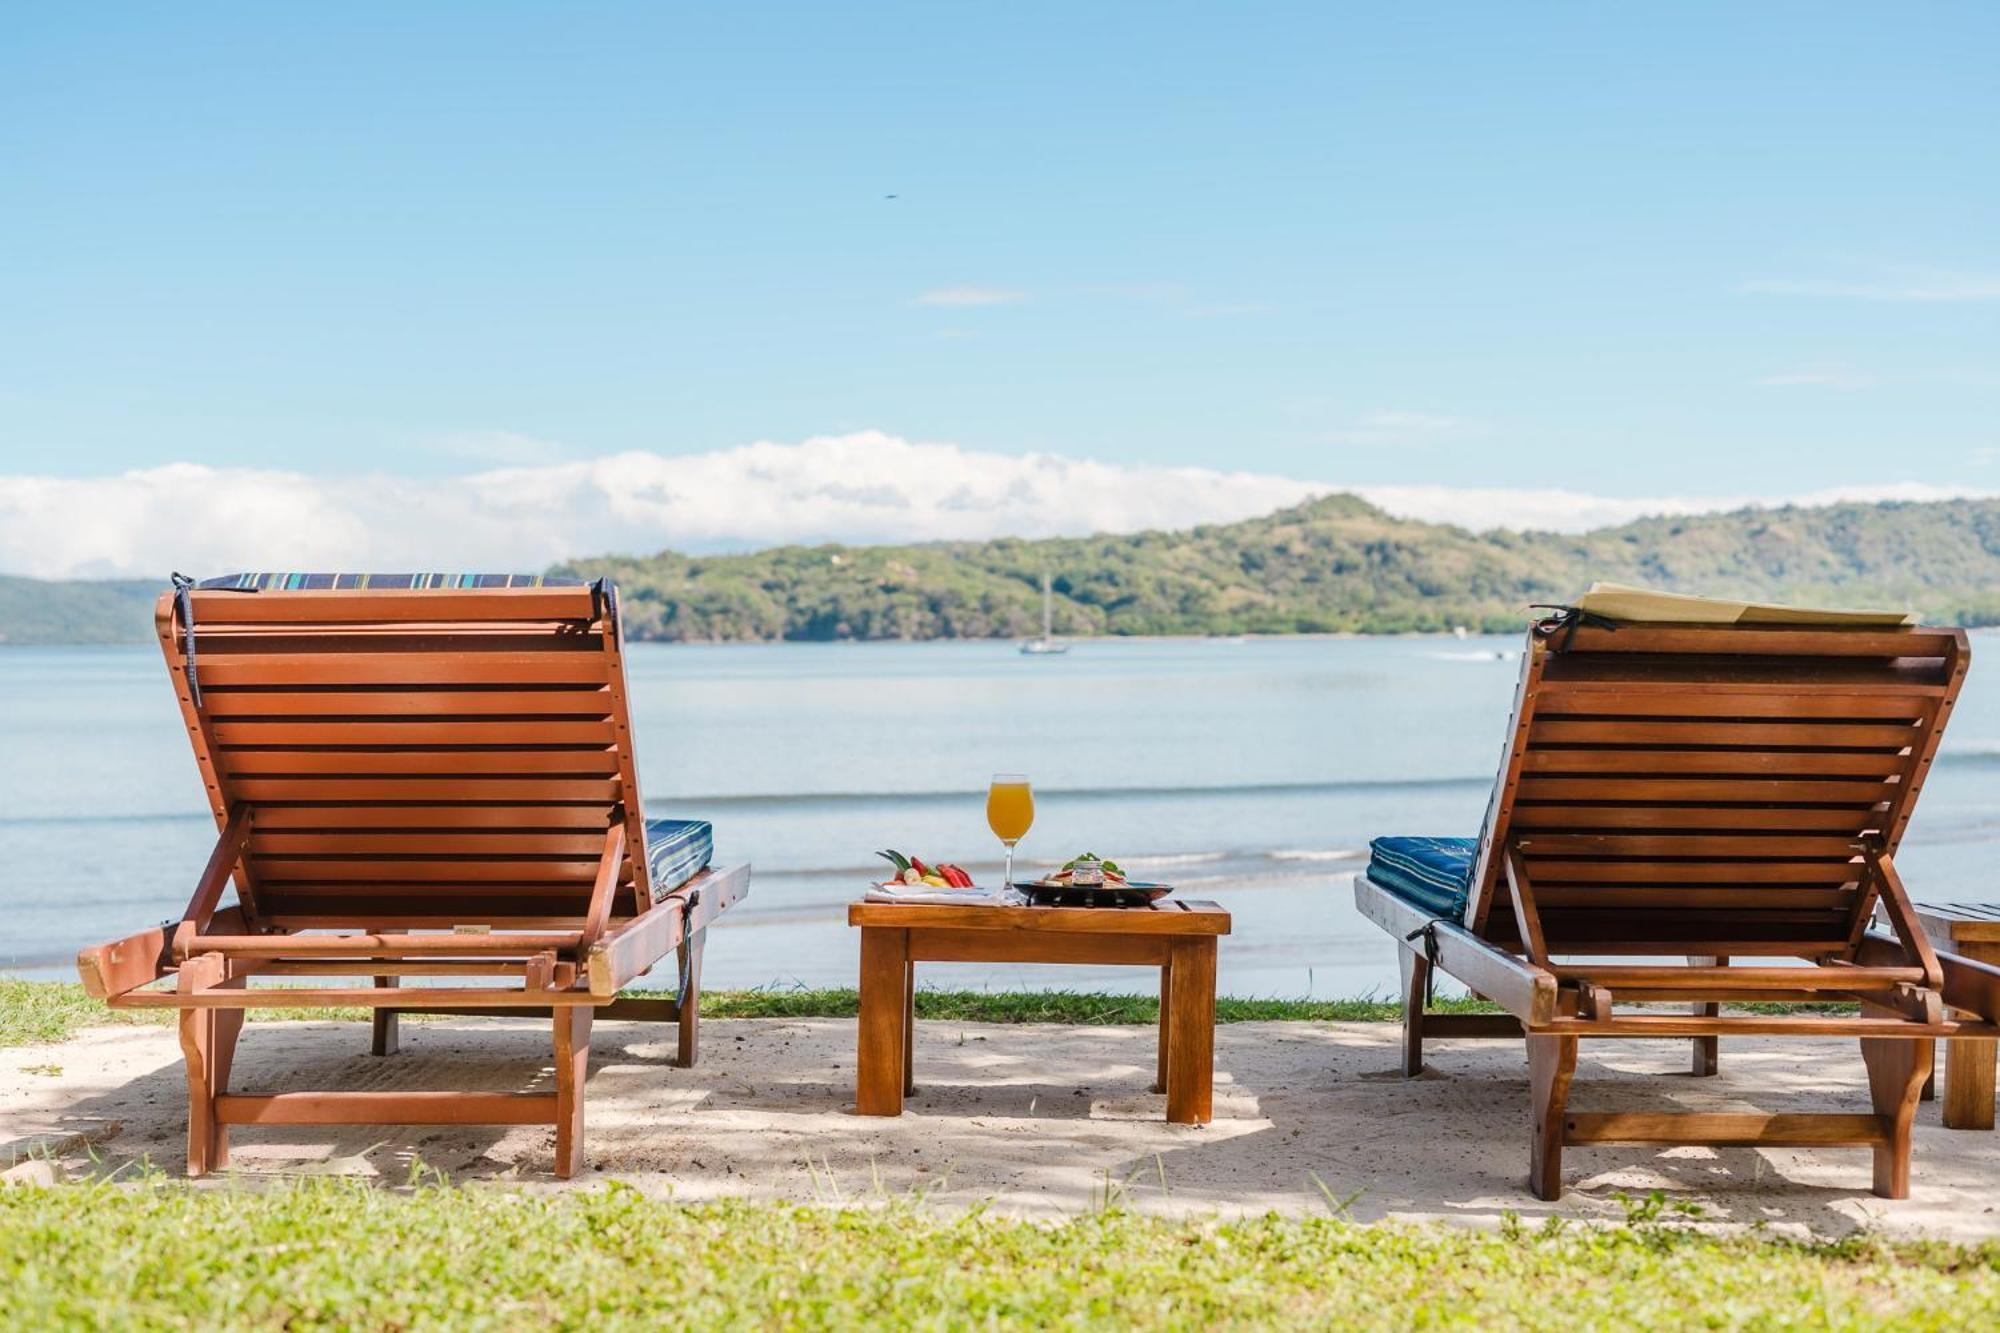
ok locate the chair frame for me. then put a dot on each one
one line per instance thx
(1745, 831)
(552, 952)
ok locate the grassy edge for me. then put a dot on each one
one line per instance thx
(42, 1012)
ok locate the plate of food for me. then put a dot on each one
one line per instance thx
(913, 879)
(1091, 881)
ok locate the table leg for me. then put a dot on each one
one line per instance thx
(878, 1073)
(1969, 1063)
(1968, 1083)
(1191, 1031)
(909, 1028)
(1166, 1008)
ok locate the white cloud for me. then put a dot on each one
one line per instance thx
(866, 487)
(960, 298)
(1578, 511)
(1895, 285)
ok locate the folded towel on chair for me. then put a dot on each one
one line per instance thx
(676, 851)
(1433, 873)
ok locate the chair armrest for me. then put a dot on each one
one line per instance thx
(632, 947)
(1971, 986)
(1522, 988)
(110, 970)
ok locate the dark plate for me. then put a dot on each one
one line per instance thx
(1134, 894)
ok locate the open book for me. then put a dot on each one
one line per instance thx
(1617, 601)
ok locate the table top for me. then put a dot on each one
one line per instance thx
(1961, 922)
(1168, 916)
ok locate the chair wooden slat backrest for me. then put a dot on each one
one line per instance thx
(414, 758)
(1705, 789)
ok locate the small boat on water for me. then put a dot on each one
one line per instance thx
(1048, 645)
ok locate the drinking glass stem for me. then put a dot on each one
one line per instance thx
(1007, 877)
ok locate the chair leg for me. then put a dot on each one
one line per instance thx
(208, 1048)
(1551, 1066)
(1416, 978)
(1897, 1069)
(387, 1034)
(689, 1000)
(572, 1024)
(1707, 1050)
(228, 1027)
(198, 1051)
(1166, 1013)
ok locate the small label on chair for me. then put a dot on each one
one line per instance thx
(472, 930)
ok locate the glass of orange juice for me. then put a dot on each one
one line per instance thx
(1010, 812)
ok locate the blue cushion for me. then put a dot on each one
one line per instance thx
(676, 851)
(1433, 873)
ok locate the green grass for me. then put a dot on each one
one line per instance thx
(48, 1011)
(322, 1254)
(1056, 1007)
(35, 1012)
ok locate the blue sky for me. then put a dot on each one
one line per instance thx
(1627, 251)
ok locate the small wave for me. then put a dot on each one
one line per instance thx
(1177, 859)
(1309, 854)
(1150, 862)
(793, 800)
(96, 817)
(1481, 655)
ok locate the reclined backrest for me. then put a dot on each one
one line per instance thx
(1707, 789)
(415, 750)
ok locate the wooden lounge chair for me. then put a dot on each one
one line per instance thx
(413, 776)
(1704, 791)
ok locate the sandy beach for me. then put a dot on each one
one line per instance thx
(1033, 1120)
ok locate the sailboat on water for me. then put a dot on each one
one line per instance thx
(1048, 644)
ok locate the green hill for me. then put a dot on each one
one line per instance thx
(1336, 564)
(39, 611)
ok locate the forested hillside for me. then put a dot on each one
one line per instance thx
(36, 611)
(1336, 564)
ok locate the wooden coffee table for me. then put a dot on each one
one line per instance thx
(1176, 936)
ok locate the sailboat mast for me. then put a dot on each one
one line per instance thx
(1048, 608)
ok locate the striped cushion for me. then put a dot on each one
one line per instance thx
(1433, 873)
(403, 582)
(677, 850)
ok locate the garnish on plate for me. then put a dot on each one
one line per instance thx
(912, 871)
(1088, 871)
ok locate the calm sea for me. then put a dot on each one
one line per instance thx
(1253, 773)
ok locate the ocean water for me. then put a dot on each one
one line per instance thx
(1252, 773)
